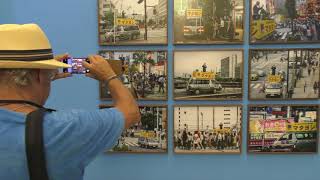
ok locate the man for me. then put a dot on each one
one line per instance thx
(204, 67)
(161, 81)
(256, 10)
(72, 139)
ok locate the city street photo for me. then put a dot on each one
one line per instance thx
(285, 21)
(147, 136)
(283, 129)
(144, 73)
(208, 22)
(284, 74)
(207, 129)
(208, 75)
(133, 22)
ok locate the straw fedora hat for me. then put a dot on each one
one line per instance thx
(26, 47)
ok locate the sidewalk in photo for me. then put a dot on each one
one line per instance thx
(309, 92)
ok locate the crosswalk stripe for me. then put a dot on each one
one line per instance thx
(257, 86)
(131, 144)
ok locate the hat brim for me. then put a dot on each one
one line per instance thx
(44, 64)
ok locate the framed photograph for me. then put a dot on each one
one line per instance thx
(147, 136)
(207, 129)
(283, 128)
(134, 22)
(284, 74)
(143, 72)
(208, 22)
(284, 21)
(208, 75)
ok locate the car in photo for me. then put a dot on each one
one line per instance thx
(274, 90)
(179, 83)
(193, 27)
(295, 142)
(141, 141)
(147, 142)
(131, 32)
(261, 73)
(198, 86)
(151, 143)
(254, 76)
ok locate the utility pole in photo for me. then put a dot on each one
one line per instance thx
(145, 18)
(288, 71)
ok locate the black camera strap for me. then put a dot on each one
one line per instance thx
(34, 140)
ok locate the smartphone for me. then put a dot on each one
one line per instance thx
(76, 65)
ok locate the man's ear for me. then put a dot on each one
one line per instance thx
(43, 76)
(36, 75)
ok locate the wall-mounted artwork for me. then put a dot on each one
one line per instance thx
(208, 75)
(207, 129)
(132, 22)
(284, 74)
(282, 128)
(143, 72)
(208, 22)
(147, 136)
(284, 21)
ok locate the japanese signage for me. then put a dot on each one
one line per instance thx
(194, 13)
(147, 134)
(203, 75)
(125, 21)
(256, 126)
(274, 78)
(275, 125)
(262, 28)
(305, 126)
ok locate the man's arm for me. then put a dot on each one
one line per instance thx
(122, 97)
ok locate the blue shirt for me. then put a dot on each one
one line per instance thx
(72, 139)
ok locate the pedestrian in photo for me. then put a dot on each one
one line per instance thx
(315, 87)
(309, 70)
(305, 86)
(313, 70)
(195, 140)
(161, 82)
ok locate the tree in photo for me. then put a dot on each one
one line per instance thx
(141, 58)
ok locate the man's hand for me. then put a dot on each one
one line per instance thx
(61, 75)
(99, 68)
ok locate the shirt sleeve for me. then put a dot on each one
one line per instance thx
(78, 136)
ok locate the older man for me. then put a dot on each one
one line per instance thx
(71, 139)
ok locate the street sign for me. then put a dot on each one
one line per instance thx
(203, 75)
(302, 127)
(196, 13)
(125, 21)
(274, 78)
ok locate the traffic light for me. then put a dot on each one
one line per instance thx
(140, 1)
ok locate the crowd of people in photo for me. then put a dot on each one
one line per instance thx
(150, 82)
(204, 140)
(303, 28)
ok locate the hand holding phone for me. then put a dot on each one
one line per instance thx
(76, 65)
(100, 69)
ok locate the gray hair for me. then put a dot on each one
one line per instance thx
(19, 77)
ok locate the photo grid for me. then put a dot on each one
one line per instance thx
(217, 75)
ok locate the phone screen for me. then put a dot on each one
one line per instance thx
(76, 65)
